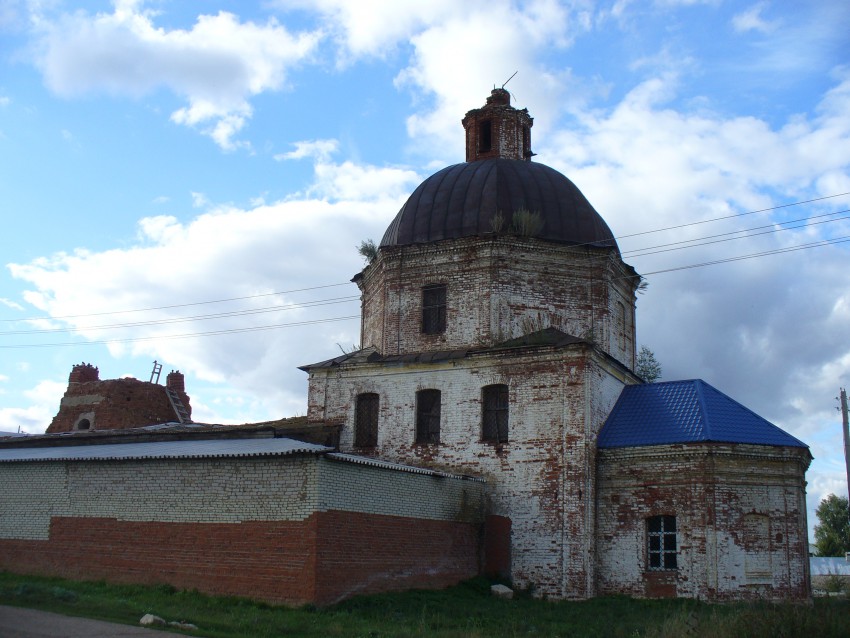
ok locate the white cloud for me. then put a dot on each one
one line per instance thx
(233, 253)
(11, 304)
(199, 200)
(371, 27)
(5, 101)
(44, 402)
(217, 65)
(752, 20)
(496, 37)
(349, 181)
(317, 149)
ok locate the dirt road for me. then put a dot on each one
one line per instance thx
(16, 622)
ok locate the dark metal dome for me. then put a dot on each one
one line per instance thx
(463, 200)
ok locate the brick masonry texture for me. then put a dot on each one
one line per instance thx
(741, 519)
(264, 528)
(510, 129)
(542, 479)
(115, 403)
(498, 288)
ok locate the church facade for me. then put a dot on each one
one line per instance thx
(498, 333)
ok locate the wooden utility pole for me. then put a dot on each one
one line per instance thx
(846, 424)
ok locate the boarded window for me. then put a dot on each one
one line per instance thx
(494, 418)
(485, 137)
(434, 309)
(366, 420)
(428, 416)
(755, 533)
(661, 542)
(620, 324)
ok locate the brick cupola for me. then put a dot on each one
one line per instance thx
(175, 381)
(84, 373)
(498, 130)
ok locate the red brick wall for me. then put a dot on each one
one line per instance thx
(368, 553)
(270, 560)
(328, 557)
(115, 404)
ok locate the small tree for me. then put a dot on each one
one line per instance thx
(647, 367)
(832, 535)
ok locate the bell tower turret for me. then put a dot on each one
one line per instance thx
(498, 130)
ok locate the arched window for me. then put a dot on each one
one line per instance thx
(83, 424)
(494, 413)
(428, 416)
(366, 420)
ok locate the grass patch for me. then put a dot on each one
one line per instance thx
(466, 611)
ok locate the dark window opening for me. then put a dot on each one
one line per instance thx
(526, 142)
(661, 542)
(366, 420)
(434, 309)
(84, 424)
(485, 137)
(428, 416)
(494, 421)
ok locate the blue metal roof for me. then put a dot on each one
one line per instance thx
(685, 412)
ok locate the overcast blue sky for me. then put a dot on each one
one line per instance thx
(166, 163)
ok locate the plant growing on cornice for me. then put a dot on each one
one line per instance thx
(497, 223)
(368, 250)
(526, 223)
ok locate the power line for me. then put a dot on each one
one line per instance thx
(735, 216)
(828, 242)
(350, 317)
(183, 305)
(183, 336)
(285, 292)
(220, 315)
(661, 248)
(238, 313)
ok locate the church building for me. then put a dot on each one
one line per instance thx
(491, 422)
(498, 334)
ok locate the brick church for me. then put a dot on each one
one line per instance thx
(491, 423)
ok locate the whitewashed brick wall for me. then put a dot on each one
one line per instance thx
(219, 491)
(498, 288)
(542, 479)
(711, 489)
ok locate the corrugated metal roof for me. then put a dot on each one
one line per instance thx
(398, 467)
(685, 412)
(218, 448)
